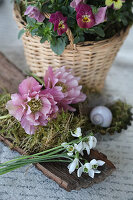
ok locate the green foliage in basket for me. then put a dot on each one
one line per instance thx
(59, 130)
(88, 20)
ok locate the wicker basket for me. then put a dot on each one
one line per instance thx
(89, 60)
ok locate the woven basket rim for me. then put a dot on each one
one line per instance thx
(19, 19)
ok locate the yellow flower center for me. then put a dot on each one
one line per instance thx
(64, 87)
(86, 18)
(61, 25)
(35, 105)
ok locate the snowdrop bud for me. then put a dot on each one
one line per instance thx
(77, 133)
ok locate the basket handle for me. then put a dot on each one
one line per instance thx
(68, 32)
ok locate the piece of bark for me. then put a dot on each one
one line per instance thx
(58, 172)
(10, 77)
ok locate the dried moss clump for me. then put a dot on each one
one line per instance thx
(56, 132)
(59, 130)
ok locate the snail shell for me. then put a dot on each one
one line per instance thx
(101, 116)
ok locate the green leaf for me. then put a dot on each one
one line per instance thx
(58, 45)
(21, 32)
(30, 21)
(43, 40)
(99, 31)
(34, 31)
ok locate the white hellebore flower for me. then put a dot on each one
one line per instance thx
(94, 165)
(77, 133)
(73, 165)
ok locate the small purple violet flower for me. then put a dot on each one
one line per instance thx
(85, 17)
(59, 22)
(34, 13)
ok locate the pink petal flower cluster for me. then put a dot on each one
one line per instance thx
(59, 22)
(31, 107)
(64, 87)
(34, 106)
(86, 18)
(34, 13)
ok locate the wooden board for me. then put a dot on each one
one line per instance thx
(10, 77)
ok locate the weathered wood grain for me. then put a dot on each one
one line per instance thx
(10, 77)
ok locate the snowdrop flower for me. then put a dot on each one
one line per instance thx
(73, 165)
(90, 144)
(90, 168)
(77, 133)
(70, 150)
(86, 147)
(79, 147)
(94, 164)
(92, 141)
(84, 168)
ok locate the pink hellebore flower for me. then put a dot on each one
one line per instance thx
(67, 87)
(34, 13)
(59, 22)
(31, 107)
(86, 18)
(75, 3)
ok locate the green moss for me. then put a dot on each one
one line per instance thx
(59, 130)
(122, 118)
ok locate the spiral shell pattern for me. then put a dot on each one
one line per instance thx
(101, 116)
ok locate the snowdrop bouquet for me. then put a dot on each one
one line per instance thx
(71, 152)
(88, 20)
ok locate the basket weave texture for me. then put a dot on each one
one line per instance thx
(89, 60)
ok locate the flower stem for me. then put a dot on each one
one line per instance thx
(37, 78)
(5, 116)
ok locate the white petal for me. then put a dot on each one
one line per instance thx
(88, 166)
(80, 171)
(74, 135)
(70, 154)
(77, 133)
(78, 147)
(88, 150)
(93, 162)
(64, 144)
(91, 173)
(92, 142)
(97, 171)
(73, 165)
(100, 162)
